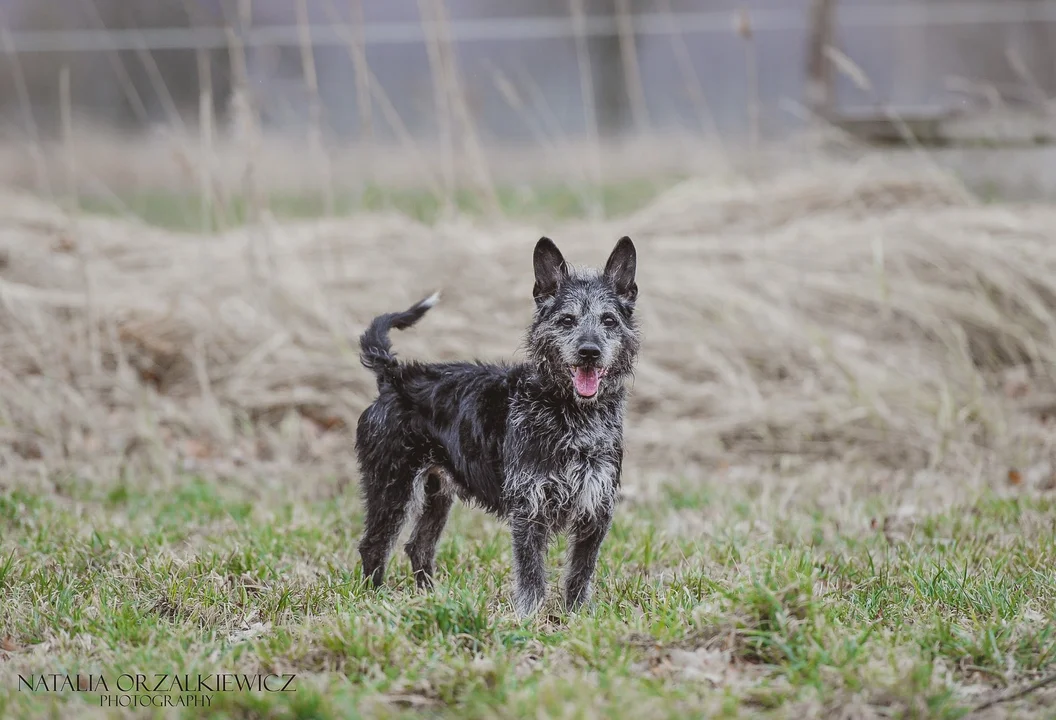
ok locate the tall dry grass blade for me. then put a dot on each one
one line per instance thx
(631, 67)
(526, 111)
(246, 121)
(356, 45)
(590, 115)
(474, 152)
(1020, 67)
(128, 87)
(442, 101)
(356, 49)
(315, 123)
(206, 117)
(73, 201)
(688, 71)
(315, 108)
(751, 72)
(842, 62)
(29, 122)
(362, 71)
(161, 90)
(91, 325)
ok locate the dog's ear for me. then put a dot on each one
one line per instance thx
(620, 269)
(550, 269)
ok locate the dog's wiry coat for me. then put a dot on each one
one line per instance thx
(539, 443)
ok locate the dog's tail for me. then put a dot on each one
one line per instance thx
(375, 350)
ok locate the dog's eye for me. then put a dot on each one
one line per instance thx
(567, 320)
(608, 321)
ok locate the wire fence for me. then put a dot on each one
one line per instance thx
(448, 92)
(571, 75)
(901, 15)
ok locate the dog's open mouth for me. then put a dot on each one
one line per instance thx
(587, 380)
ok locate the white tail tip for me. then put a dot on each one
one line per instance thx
(431, 300)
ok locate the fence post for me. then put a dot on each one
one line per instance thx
(819, 67)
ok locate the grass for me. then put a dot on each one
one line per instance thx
(705, 605)
(183, 211)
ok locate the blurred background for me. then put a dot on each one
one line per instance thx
(446, 86)
(634, 65)
(205, 201)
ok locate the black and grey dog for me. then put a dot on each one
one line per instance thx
(538, 443)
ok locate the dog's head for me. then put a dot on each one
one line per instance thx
(583, 338)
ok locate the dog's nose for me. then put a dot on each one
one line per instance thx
(589, 351)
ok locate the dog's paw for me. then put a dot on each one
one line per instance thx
(578, 596)
(527, 604)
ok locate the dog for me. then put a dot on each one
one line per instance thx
(538, 444)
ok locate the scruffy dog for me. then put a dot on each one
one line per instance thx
(539, 444)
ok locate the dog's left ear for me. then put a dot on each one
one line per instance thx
(620, 269)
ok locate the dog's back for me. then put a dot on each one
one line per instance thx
(446, 418)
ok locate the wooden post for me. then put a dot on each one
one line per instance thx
(819, 67)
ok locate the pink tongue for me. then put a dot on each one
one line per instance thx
(586, 381)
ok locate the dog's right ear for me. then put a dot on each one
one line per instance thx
(550, 269)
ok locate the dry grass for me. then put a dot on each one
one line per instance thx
(845, 310)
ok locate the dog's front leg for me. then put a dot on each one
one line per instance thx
(530, 535)
(584, 545)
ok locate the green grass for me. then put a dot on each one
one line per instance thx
(739, 619)
(177, 211)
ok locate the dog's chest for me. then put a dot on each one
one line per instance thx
(580, 476)
(567, 466)
(584, 484)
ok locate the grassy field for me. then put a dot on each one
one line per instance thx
(711, 601)
(839, 485)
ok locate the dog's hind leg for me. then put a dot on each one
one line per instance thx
(421, 548)
(388, 501)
